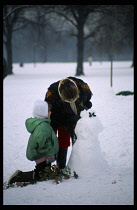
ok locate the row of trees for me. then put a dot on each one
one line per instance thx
(107, 25)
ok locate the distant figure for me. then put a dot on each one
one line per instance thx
(21, 64)
(90, 60)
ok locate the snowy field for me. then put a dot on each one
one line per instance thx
(103, 154)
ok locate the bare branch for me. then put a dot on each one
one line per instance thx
(13, 10)
(66, 17)
(92, 34)
(16, 29)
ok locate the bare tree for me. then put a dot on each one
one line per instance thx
(12, 20)
(84, 23)
(17, 17)
(115, 27)
(77, 15)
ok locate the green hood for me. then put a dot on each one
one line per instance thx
(31, 123)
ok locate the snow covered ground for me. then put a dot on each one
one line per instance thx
(103, 153)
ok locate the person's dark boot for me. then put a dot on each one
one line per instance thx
(20, 176)
(40, 169)
(62, 157)
(29, 176)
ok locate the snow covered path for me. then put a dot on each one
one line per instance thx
(110, 187)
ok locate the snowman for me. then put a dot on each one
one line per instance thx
(86, 158)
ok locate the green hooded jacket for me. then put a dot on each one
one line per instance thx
(42, 141)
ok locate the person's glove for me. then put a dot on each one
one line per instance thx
(88, 104)
(71, 127)
(73, 138)
(50, 159)
(85, 106)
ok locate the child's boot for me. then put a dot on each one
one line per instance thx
(20, 176)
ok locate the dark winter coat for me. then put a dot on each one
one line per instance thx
(42, 141)
(61, 112)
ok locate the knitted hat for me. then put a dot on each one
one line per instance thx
(40, 109)
(68, 90)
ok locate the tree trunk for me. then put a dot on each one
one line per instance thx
(111, 63)
(80, 50)
(9, 52)
(111, 73)
(4, 68)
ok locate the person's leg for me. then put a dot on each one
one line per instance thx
(40, 169)
(29, 176)
(62, 157)
(20, 176)
(64, 143)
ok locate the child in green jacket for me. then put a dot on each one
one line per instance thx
(42, 145)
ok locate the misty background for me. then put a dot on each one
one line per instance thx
(67, 33)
